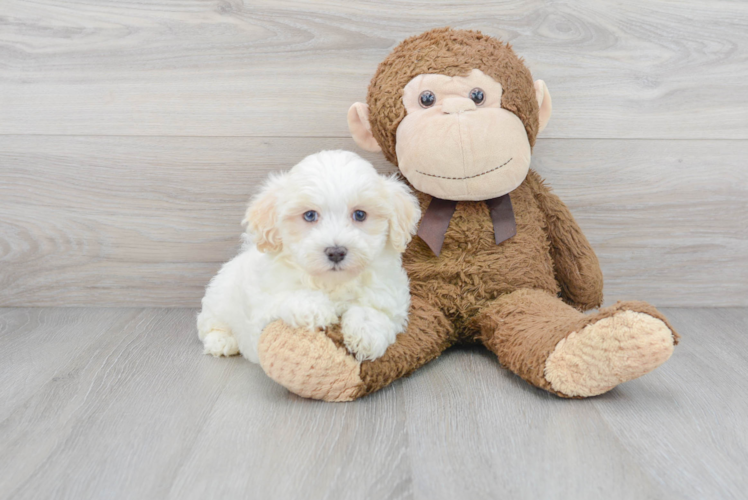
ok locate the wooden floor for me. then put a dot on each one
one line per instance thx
(122, 404)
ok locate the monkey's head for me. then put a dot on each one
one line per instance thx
(456, 111)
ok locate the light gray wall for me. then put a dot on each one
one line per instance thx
(132, 133)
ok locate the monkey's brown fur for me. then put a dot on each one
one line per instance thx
(520, 298)
(478, 291)
(453, 53)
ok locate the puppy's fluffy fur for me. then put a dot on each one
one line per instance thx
(284, 272)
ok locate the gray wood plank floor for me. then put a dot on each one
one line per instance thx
(120, 403)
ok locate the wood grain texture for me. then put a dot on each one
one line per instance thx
(145, 221)
(668, 219)
(636, 69)
(131, 136)
(120, 403)
(651, 438)
(79, 436)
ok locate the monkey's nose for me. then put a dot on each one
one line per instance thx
(452, 105)
(336, 254)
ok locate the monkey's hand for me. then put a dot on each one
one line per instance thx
(577, 269)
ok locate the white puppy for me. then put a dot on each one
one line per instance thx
(323, 246)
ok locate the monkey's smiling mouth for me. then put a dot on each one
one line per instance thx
(469, 176)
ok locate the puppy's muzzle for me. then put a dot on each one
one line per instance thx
(336, 254)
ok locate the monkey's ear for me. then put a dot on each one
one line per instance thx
(358, 124)
(544, 104)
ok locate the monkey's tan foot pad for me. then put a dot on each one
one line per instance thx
(309, 364)
(608, 352)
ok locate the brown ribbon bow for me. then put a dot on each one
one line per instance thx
(436, 220)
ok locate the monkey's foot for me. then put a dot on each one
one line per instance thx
(608, 352)
(309, 364)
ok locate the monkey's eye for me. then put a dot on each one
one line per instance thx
(359, 215)
(477, 96)
(311, 216)
(426, 99)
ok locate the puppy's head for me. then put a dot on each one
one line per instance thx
(332, 215)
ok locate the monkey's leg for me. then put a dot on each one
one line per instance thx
(555, 347)
(317, 365)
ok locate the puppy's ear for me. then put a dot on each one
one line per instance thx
(405, 213)
(261, 218)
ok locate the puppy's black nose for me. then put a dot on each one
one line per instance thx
(336, 254)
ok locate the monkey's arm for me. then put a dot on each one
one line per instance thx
(576, 266)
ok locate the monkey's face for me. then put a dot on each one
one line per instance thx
(457, 142)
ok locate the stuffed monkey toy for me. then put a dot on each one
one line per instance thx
(498, 259)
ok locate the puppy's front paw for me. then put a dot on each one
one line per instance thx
(367, 333)
(220, 343)
(309, 311)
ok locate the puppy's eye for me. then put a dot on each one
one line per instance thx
(426, 99)
(311, 216)
(477, 96)
(359, 215)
